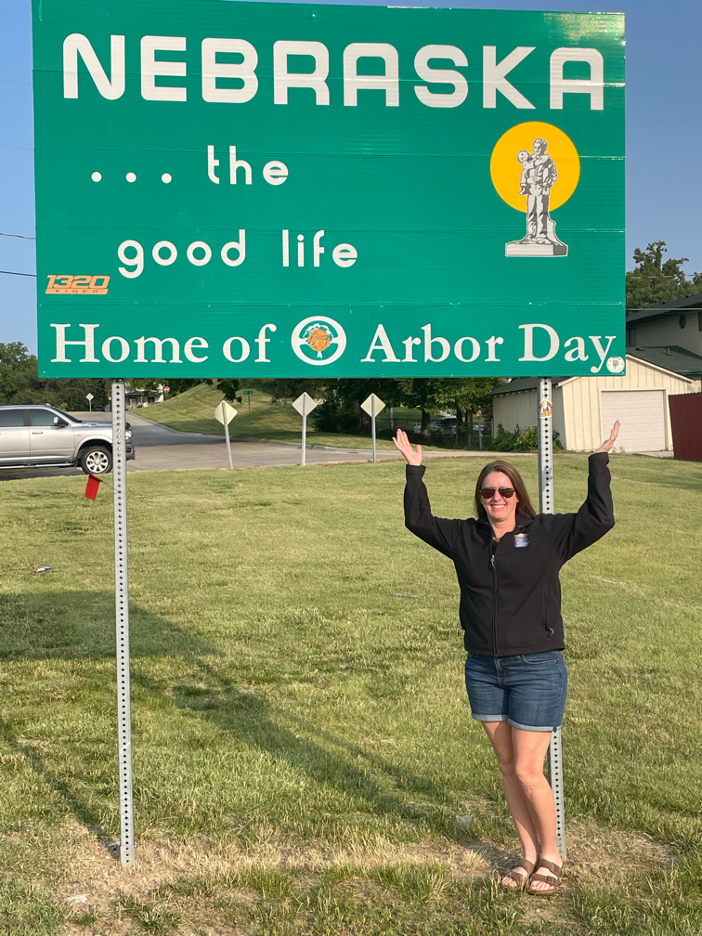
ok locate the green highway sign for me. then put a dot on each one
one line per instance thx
(264, 189)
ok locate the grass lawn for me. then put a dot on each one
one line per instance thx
(193, 410)
(302, 740)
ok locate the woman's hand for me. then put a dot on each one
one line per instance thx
(403, 444)
(609, 443)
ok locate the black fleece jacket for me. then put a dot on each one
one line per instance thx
(511, 595)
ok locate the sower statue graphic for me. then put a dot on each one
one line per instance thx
(539, 175)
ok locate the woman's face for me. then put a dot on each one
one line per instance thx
(497, 507)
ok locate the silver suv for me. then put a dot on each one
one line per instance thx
(34, 436)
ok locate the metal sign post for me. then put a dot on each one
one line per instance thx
(546, 505)
(373, 405)
(89, 397)
(124, 714)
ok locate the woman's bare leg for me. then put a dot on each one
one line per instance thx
(530, 749)
(501, 738)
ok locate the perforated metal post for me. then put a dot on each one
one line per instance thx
(546, 505)
(545, 423)
(124, 713)
(375, 450)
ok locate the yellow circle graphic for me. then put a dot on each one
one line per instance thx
(510, 163)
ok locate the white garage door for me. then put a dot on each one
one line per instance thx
(642, 415)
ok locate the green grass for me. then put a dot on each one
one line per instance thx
(193, 411)
(301, 739)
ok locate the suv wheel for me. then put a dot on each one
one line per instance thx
(96, 460)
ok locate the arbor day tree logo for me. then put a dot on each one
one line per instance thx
(318, 340)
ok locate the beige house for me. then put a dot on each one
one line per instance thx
(585, 408)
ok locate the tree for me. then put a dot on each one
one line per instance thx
(465, 395)
(341, 410)
(18, 371)
(20, 383)
(655, 281)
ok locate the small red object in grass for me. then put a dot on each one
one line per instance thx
(92, 487)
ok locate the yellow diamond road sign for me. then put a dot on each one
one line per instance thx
(373, 405)
(304, 404)
(229, 410)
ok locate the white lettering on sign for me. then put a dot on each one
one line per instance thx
(158, 351)
(197, 343)
(389, 82)
(77, 44)
(494, 75)
(576, 353)
(602, 352)
(88, 343)
(107, 349)
(381, 342)
(244, 70)
(236, 164)
(429, 343)
(529, 343)
(317, 79)
(263, 340)
(428, 347)
(274, 172)
(343, 255)
(199, 253)
(239, 246)
(494, 79)
(244, 346)
(594, 85)
(441, 76)
(151, 68)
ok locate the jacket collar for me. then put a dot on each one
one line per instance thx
(522, 522)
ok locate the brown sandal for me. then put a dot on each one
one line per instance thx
(553, 879)
(521, 880)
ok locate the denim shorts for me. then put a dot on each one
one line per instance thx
(528, 691)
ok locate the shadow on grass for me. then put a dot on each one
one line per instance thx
(79, 626)
(73, 625)
(248, 717)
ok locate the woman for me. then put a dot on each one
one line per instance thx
(508, 562)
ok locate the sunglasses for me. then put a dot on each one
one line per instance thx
(487, 492)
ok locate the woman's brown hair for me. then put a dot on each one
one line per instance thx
(505, 468)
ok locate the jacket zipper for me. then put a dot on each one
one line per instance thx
(495, 645)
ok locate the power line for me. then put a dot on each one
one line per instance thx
(22, 236)
(15, 273)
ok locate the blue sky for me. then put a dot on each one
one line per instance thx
(664, 137)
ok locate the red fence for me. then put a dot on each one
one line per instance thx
(686, 423)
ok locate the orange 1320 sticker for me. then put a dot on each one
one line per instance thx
(65, 284)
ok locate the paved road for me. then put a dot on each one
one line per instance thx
(159, 449)
(155, 451)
